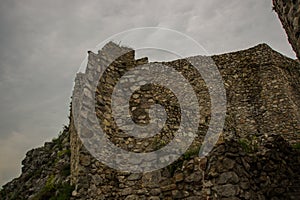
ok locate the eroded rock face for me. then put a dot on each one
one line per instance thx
(45, 173)
(289, 14)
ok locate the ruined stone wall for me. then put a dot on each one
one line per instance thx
(263, 102)
(262, 91)
(289, 14)
(263, 168)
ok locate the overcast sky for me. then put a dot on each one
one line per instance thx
(44, 42)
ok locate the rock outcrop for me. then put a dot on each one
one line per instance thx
(45, 173)
(289, 14)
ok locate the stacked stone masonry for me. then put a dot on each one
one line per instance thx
(252, 160)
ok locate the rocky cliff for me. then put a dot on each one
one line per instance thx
(289, 14)
(45, 172)
(257, 156)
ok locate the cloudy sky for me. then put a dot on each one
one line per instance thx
(44, 42)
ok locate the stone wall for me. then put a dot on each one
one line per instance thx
(289, 14)
(248, 162)
(260, 168)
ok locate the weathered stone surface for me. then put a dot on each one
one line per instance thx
(255, 93)
(248, 162)
(45, 172)
(289, 15)
(154, 198)
(231, 171)
(132, 197)
(228, 177)
(227, 190)
(179, 177)
(168, 187)
(85, 160)
(134, 177)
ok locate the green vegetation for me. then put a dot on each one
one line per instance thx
(174, 166)
(48, 190)
(59, 140)
(249, 145)
(296, 146)
(64, 152)
(158, 143)
(54, 191)
(34, 174)
(194, 151)
(245, 145)
(64, 192)
(66, 170)
(190, 153)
